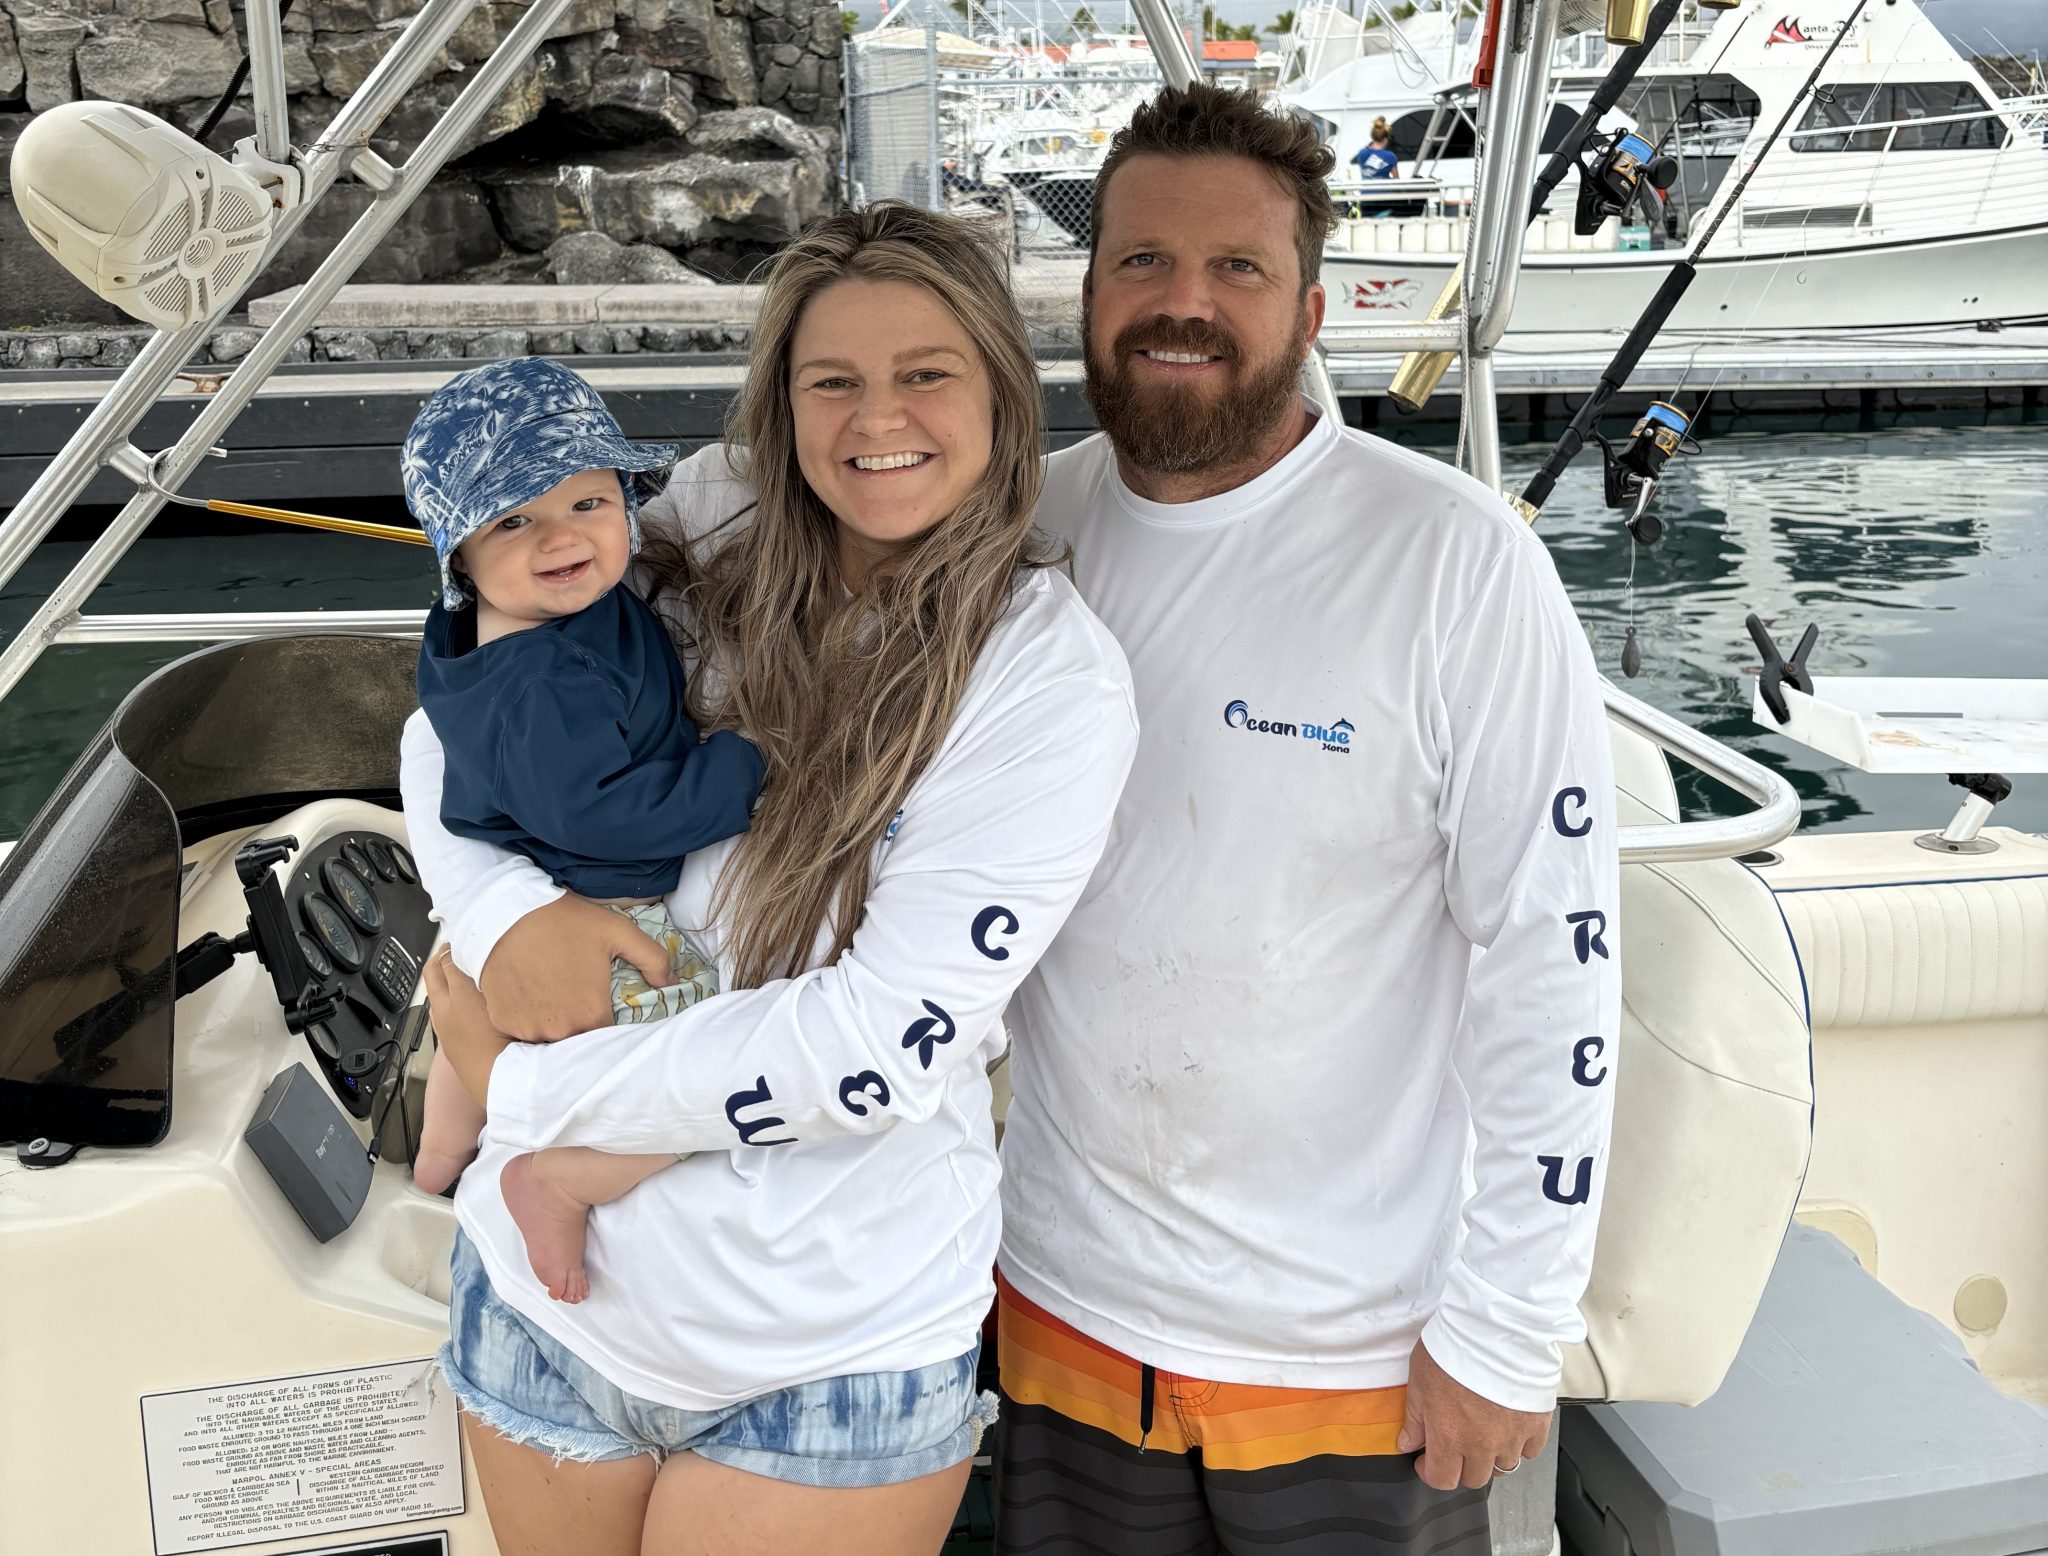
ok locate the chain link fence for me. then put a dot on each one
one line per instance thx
(997, 128)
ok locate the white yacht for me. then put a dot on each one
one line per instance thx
(224, 1290)
(1907, 193)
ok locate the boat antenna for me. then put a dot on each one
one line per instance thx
(1681, 276)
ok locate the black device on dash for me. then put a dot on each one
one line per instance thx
(310, 1149)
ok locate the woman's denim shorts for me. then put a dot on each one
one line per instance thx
(866, 1429)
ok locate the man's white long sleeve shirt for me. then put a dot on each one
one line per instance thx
(1323, 1062)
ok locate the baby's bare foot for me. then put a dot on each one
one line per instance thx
(434, 1170)
(553, 1223)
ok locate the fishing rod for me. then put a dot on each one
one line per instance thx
(1681, 276)
(1421, 371)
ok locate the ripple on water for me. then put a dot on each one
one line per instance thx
(1920, 551)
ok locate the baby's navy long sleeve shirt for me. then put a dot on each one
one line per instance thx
(568, 742)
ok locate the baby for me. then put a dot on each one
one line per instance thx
(558, 699)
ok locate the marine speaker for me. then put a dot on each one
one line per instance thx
(144, 215)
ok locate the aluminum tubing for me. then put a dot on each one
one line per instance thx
(1727, 837)
(1490, 309)
(319, 289)
(158, 362)
(265, 23)
(1169, 44)
(237, 626)
(1482, 422)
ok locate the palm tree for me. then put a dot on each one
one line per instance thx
(1084, 24)
(1281, 25)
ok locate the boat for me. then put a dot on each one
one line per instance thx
(1909, 194)
(226, 1291)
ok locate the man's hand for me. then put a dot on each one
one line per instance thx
(1465, 1440)
(550, 976)
(462, 1027)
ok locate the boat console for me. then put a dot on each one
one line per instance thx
(218, 907)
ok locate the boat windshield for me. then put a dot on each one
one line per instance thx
(230, 737)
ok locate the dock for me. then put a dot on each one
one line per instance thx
(333, 428)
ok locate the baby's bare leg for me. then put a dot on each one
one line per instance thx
(448, 1129)
(550, 1194)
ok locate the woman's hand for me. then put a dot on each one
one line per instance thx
(550, 974)
(462, 1025)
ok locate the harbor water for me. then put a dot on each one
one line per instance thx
(1917, 551)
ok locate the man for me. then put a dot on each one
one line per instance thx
(1304, 1164)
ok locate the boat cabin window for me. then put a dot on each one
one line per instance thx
(1702, 123)
(1872, 117)
(1405, 134)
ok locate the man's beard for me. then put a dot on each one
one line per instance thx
(1172, 429)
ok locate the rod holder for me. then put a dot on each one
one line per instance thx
(1416, 379)
(1626, 20)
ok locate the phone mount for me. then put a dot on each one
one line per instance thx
(269, 934)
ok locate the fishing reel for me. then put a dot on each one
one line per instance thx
(1631, 473)
(1612, 172)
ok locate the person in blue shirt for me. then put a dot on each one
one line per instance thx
(557, 695)
(1377, 159)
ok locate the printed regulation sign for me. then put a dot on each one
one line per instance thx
(282, 1458)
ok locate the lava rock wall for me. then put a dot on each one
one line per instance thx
(706, 128)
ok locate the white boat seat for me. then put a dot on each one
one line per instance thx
(1712, 1124)
(1913, 955)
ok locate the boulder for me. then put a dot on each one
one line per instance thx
(49, 49)
(647, 265)
(696, 36)
(586, 259)
(12, 75)
(155, 62)
(666, 195)
(755, 134)
(487, 26)
(492, 344)
(447, 230)
(233, 343)
(629, 101)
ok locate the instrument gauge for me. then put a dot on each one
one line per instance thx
(345, 884)
(355, 854)
(408, 872)
(324, 1042)
(332, 929)
(380, 858)
(316, 958)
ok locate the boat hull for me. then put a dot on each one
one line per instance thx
(1960, 280)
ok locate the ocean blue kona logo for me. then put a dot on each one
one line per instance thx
(1331, 737)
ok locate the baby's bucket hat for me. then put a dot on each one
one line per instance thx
(502, 434)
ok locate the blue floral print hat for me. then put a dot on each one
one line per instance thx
(503, 434)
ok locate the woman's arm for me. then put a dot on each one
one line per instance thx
(542, 956)
(996, 843)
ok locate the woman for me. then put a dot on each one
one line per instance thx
(778, 1349)
(1377, 159)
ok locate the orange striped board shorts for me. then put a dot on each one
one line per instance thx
(1097, 1454)
(1237, 1426)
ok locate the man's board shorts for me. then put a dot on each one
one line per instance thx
(692, 976)
(864, 1429)
(1099, 1453)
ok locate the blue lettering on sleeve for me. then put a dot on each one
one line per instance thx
(1571, 796)
(1553, 1173)
(749, 1128)
(989, 918)
(924, 1034)
(1584, 1052)
(869, 1085)
(1589, 926)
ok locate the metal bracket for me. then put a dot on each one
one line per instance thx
(1985, 790)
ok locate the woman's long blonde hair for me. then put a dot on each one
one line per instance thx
(849, 696)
